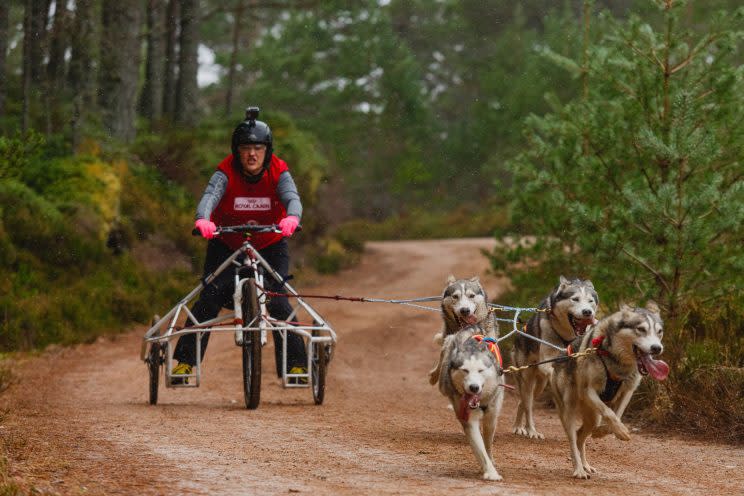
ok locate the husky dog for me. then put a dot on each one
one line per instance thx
(464, 303)
(597, 388)
(567, 311)
(470, 377)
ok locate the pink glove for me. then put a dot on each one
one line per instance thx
(206, 228)
(288, 225)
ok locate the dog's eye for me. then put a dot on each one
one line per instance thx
(575, 298)
(455, 296)
(641, 330)
(480, 371)
(471, 296)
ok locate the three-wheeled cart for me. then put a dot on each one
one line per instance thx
(249, 321)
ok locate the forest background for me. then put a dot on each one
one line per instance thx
(599, 139)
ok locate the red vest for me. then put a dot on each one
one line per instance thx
(244, 202)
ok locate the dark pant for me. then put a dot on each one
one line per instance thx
(219, 294)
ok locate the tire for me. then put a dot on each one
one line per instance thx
(154, 360)
(318, 369)
(251, 349)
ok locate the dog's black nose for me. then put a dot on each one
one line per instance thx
(656, 349)
(464, 312)
(587, 312)
(474, 388)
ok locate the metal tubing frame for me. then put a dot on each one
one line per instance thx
(263, 323)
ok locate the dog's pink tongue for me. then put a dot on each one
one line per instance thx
(471, 319)
(582, 324)
(658, 369)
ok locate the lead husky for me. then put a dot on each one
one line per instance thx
(470, 377)
(464, 303)
(598, 387)
(567, 311)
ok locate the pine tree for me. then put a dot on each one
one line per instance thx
(638, 182)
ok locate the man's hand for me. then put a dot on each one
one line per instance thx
(288, 225)
(206, 228)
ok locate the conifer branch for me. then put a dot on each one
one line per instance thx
(645, 265)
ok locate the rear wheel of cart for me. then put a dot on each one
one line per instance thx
(319, 367)
(251, 347)
(154, 361)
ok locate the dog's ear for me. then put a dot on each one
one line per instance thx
(652, 307)
(451, 279)
(588, 283)
(475, 280)
(625, 307)
(562, 280)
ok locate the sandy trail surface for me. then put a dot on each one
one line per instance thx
(77, 420)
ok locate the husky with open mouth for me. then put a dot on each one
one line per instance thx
(470, 377)
(592, 392)
(464, 303)
(565, 314)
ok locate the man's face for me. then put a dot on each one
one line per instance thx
(252, 158)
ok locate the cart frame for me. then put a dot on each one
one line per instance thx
(249, 321)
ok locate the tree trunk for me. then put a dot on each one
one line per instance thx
(120, 47)
(169, 76)
(57, 48)
(186, 89)
(238, 22)
(81, 78)
(26, 84)
(4, 8)
(37, 32)
(55, 69)
(152, 92)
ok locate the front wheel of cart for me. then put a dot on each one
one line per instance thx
(319, 367)
(154, 360)
(251, 348)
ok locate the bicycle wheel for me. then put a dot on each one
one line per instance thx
(319, 367)
(154, 360)
(251, 348)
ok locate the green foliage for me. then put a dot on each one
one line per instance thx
(16, 153)
(638, 184)
(62, 284)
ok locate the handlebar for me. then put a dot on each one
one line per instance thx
(245, 228)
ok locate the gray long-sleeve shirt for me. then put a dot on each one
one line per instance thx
(285, 189)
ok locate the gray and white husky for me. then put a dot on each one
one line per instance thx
(592, 392)
(464, 303)
(470, 378)
(566, 312)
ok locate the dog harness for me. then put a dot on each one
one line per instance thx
(493, 347)
(612, 384)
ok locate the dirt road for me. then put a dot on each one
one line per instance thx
(77, 421)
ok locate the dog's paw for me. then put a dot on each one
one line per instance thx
(492, 476)
(433, 377)
(589, 469)
(533, 434)
(520, 431)
(622, 432)
(580, 473)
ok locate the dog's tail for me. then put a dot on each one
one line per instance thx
(439, 338)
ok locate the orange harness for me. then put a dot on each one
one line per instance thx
(493, 347)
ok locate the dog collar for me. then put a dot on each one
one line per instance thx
(493, 347)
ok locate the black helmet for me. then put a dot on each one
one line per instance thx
(252, 131)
